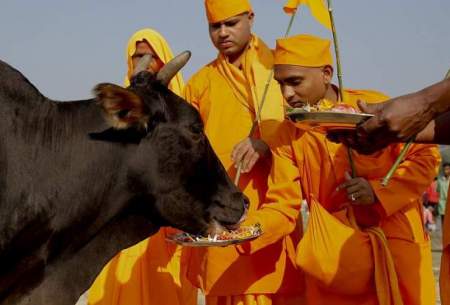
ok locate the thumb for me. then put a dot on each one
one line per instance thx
(347, 176)
(369, 108)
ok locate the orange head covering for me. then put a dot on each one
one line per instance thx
(218, 10)
(162, 50)
(303, 50)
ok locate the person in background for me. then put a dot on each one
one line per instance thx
(228, 92)
(152, 271)
(442, 189)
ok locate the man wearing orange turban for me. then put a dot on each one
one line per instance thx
(152, 271)
(365, 243)
(228, 92)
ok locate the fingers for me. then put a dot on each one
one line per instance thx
(249, 161)
(369, 108)
(240, 150)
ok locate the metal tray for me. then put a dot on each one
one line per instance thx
(326, 120)
(186, 239)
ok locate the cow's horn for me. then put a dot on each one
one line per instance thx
(172, 67)
(142, 64)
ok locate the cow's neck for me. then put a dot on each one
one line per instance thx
(67, 279)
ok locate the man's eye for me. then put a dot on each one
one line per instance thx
(231, 23)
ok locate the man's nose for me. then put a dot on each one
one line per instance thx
(288, 92)
(223, 32)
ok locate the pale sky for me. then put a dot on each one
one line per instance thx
(66, 47)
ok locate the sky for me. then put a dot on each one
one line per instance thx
(67, 47)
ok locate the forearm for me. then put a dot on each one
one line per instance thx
(437, 131)
(437, 96)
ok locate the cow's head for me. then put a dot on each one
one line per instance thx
(173, 166)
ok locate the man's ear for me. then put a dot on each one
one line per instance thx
(327, 74)
(123, 108)
(251, 18)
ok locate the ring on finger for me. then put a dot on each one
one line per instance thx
(352, 197)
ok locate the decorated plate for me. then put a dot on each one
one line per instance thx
(326, 120)
(226, 238)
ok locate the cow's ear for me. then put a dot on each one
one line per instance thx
(123, 108)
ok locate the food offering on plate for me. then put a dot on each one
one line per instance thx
(222, 239)
(326, 116)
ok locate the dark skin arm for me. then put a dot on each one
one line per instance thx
(437, 131)
(402, 118)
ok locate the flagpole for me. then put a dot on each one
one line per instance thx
(263, 99)
(336, 50)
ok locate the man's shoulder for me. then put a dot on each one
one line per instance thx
(367, 95)
(204, 73)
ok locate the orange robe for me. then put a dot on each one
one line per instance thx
(445, 260)
(227, 99)
(320, 165)
(153, 271)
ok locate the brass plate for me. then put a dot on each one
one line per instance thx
(327, 120)
(186, 239)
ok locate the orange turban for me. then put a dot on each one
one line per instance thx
(303, 50)
(218, 10)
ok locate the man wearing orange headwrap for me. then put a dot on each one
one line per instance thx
(228, 92)
(152, 271)
(365, 242)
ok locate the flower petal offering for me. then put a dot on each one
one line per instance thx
(222, 239)
(326, 116)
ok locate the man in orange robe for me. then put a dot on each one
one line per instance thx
(424, 114)
(228, 92)
(152, 271)
(389, 228)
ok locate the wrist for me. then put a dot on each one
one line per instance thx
(437, 98)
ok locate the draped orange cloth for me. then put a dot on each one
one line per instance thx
(445, 260)
(227, 98)
(397, 235)
(153, 271)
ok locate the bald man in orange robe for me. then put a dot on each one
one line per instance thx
(365, 243)
(228, 92)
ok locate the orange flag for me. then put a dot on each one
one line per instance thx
(317, 7)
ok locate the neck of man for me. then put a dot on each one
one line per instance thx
(236, 59)
(332, 93)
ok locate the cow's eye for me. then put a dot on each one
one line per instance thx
(196, 128)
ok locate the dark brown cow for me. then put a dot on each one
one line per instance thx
(75, 188)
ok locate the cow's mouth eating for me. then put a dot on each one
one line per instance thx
(216, 227)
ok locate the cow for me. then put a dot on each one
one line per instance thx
(81, 180)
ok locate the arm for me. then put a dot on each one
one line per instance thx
(436, 131)
(410, 179)
(278, 216)
(405, 116)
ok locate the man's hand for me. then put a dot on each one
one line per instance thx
(358, 190)
(249, 151)
(402, 117)
(397, 120)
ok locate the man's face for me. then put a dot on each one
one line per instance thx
(302, 85)
(447, 170)
(232, 35)
(144, 48)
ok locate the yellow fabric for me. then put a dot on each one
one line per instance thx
(153, 271)
(227, 99)
(258, 299)
(324, 255)
(318, 9)
(219, 10)
(303, 50)
(162, 50)
(444, 279)
(319, 166)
